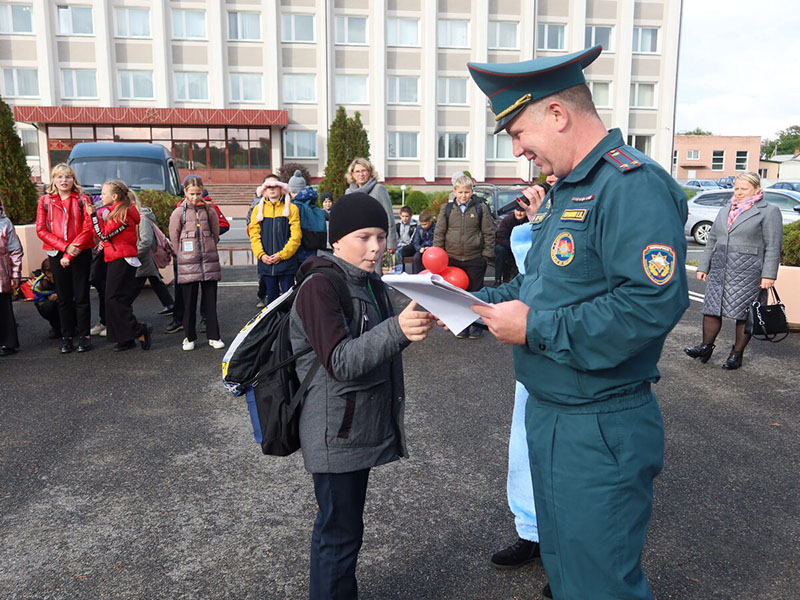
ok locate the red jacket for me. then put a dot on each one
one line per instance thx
(119, 239)
(60, 223)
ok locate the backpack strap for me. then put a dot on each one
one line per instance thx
(478, 209)
(338, 283)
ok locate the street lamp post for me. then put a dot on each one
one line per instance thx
(403, 194)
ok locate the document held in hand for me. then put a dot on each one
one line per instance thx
(450, 304)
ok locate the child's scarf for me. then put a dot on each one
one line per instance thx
(738, 208)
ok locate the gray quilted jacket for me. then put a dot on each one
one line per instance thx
(738, 259)
(194, 233)
(352, 414)
(145, 244)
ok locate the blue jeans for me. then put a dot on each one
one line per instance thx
(519, 485)
(337, 535)
(275, 285)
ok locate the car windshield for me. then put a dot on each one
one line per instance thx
(139, 173)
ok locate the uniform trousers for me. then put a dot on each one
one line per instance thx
(8, 324)
(120, 293)
(337, 535)
(72, 287)
(208, 290)
(593, 468)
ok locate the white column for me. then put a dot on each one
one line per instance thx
(576, 25)
(272, 66)
(47, 61)
(104, 52)
(621, 83)
(477, 131)
(326, 55)
(217, 29)
(377, 83)
(162, 53)
(427, 85)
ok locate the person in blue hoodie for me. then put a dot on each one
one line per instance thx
(313, 219)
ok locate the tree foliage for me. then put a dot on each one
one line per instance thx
(162, 205)
(17, 189)
(287, 170)
(347, 140)
(696, 131)
(790, 253)
(787, 142)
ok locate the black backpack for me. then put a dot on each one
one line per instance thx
(478, 209)
(261, 365)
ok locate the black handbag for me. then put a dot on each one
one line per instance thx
(767, 322)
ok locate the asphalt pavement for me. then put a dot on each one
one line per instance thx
(134, 475)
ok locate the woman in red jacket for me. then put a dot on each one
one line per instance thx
(66, 233)
(119, 232)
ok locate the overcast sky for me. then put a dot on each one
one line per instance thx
(739, 71)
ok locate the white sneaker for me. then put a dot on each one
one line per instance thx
(216, 344)
(187, 345)
(98, 329)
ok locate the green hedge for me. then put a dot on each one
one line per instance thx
(162, 205)
(790, 253)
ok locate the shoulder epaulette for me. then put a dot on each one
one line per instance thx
(622, 160)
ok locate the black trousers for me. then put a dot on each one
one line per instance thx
(209, 302)
(97, 277)
(502, 258)
(49, 311)
(177, 310)
(475, 270)
(8, 324)
(120, 292)
(159, 287)
(72, 287)
(338, 532)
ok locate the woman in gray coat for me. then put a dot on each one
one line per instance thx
(739, 263)
(362, 177)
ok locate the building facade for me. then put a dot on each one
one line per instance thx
(235, 87)
(714, 156)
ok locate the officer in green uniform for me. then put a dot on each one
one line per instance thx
(604, 284)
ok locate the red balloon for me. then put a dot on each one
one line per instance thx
(458, 277)
(435, 259)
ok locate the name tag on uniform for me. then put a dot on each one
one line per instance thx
(188, 246)
(575, 214)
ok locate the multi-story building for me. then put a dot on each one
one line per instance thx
(235, 87)
(714, 156)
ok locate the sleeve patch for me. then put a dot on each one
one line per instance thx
(658, 262)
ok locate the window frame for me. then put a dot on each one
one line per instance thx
(10, 19)
(131, 73)
(398, 43)
(71, 8)
(183, 12)
(633, 138)
(447, 135)
(118, 10)
(636, 85)
(498, 23)
(714, 158)
(397, 100)
(544, 37)
(736, 160)
(440, 43)
(593, 36)
(637, 41)
(293, 28)
(591, 83)
(491, 148)
(74, 77)
(15, 78)
(176, 74)
(238, 14)
(286, 133)
(689, 155)
(285, 87)
(239, 75)
(345, 86)
(347, 19)
(35, 133)
(395, 135)
(449, 102)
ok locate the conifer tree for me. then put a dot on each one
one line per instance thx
(347, 140)
(19, 193)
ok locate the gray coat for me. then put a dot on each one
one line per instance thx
(377, 191)
(147, 240)
(366, 393)
(738, 259)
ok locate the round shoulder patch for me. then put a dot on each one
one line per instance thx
(658, 262)
(563, 249)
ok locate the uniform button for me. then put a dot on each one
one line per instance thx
(542, 347)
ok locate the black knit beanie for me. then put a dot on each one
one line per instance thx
(355, 211)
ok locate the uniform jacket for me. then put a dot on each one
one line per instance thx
(194, 233)
(352, 414)
(461, 236)
(604, 278)
(147, 240)
(423, 238)
(119, 239)
(738, 259)
(60, 223)
(275, 233)
(10, 254)
(377, 191)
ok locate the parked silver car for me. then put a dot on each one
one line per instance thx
(700, 184)
(704, 207)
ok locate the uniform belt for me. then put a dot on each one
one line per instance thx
(638, 396)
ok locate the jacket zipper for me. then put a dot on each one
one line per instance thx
(199, 231)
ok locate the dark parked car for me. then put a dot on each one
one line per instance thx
(725, 182)
(499, 198)
(786, 185)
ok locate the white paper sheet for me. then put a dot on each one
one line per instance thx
(450, 304)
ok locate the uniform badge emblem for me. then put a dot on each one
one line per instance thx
(563, 249)
(548, 204)
(575, 214)
(658, 262)
(538, 218)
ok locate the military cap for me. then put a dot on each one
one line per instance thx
(511, 86)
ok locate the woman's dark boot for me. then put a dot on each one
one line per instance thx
(734, 359)
(702, 352)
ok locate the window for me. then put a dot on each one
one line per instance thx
(75, 20)
(402, 32)
(16, 18)
(599, 34)
(402, 144)
(643, 95)
(297, 28)
(550, 36)
(300, 144)
(763, 173)
(783, 202)
(452, 145)
(402, 90)
(79, 83)
(351, 30)
(21, 82)
(499, 147)
(502, 35)
(601, 93)
(351, 89)
(30, 142)
(135, 85)
(451, 90)
(189, 24)
(299, 88)
(132, 22)
(718, 160)
(641, 142)
(714, 199)
(244, 26)
(693, 155)
(645, 40)
(741, 160)
(453, 33)
(246, 87)
(191, 87)
(674, 158)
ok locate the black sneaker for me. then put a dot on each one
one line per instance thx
(7, 351)
(173, 327)
(202, 327)
(166, 311)
(475, 333)
(66, 346)
(123, 346)
(517, 554)
(463, 334)
(84, 344)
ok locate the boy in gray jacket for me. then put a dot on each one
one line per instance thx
(352, 413)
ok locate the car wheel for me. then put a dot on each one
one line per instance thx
(701, 231)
